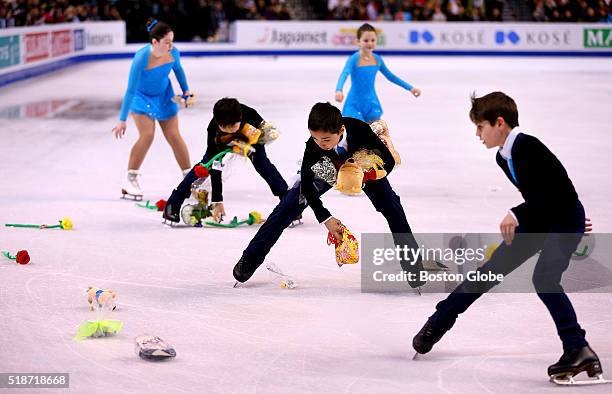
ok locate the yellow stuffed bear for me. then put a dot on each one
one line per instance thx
(350, 178)
(363, 166)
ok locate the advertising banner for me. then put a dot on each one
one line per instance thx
(9, 51)
(417, 37)
(61, 42)
(36, 46)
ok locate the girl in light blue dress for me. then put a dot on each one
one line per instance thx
(150, 97)
(362, 102)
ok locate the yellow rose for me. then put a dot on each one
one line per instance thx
(66, 224)
(255, 217)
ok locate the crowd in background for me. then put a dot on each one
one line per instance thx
(463, 10)
(571, 11)
(208, 20)
(416, 10)
(192, 20)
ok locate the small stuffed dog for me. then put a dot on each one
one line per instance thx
(100, 298)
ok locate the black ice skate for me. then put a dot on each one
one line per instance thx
(574, 362)
(413, 272)
(429, 335)
(171, 214)
(245, 268)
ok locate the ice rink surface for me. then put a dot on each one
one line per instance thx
(59, 159)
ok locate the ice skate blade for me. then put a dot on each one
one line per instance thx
(416, 356)
(169, 223)
(562, 380)
(127, 196)
(295, 223)
(418, 289)
(237, 285)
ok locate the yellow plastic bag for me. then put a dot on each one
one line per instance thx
(347, 249)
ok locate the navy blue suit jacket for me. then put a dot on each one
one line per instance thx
(550, 197)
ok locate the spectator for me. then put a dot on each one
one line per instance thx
(6, 16)
(438, 15)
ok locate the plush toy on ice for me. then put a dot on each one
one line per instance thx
(98, 298)
(363, 166)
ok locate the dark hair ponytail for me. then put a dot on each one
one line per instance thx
(157, 30)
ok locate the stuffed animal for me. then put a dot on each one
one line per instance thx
(101, 298)
(350, 178)
(251, 133)
(382, 131)
(361, 167)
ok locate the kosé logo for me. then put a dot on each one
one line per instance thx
(462, 37)
(502, 37)
(414, 36)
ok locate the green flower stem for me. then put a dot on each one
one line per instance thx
(147, 205)
(215, 157)
(7, 254)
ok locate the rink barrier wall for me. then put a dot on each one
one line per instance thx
(26, 52)
(33, 51)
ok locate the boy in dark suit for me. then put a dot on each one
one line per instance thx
(229, 118)
(333, 139)
(551, 220)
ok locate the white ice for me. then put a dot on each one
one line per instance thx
(325, 335)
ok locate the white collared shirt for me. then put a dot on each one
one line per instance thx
(506, 150)
(343, 143)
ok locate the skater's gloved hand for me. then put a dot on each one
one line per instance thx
(507, 227)
(334, 226)
(339, 96)
(218, 211)
(588, 226)
(119, 130)
(415, 92)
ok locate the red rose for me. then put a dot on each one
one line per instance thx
(201, 171)
(23, 257)
(161, 205)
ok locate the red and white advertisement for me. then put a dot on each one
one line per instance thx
(61, 42)
(36, 46)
